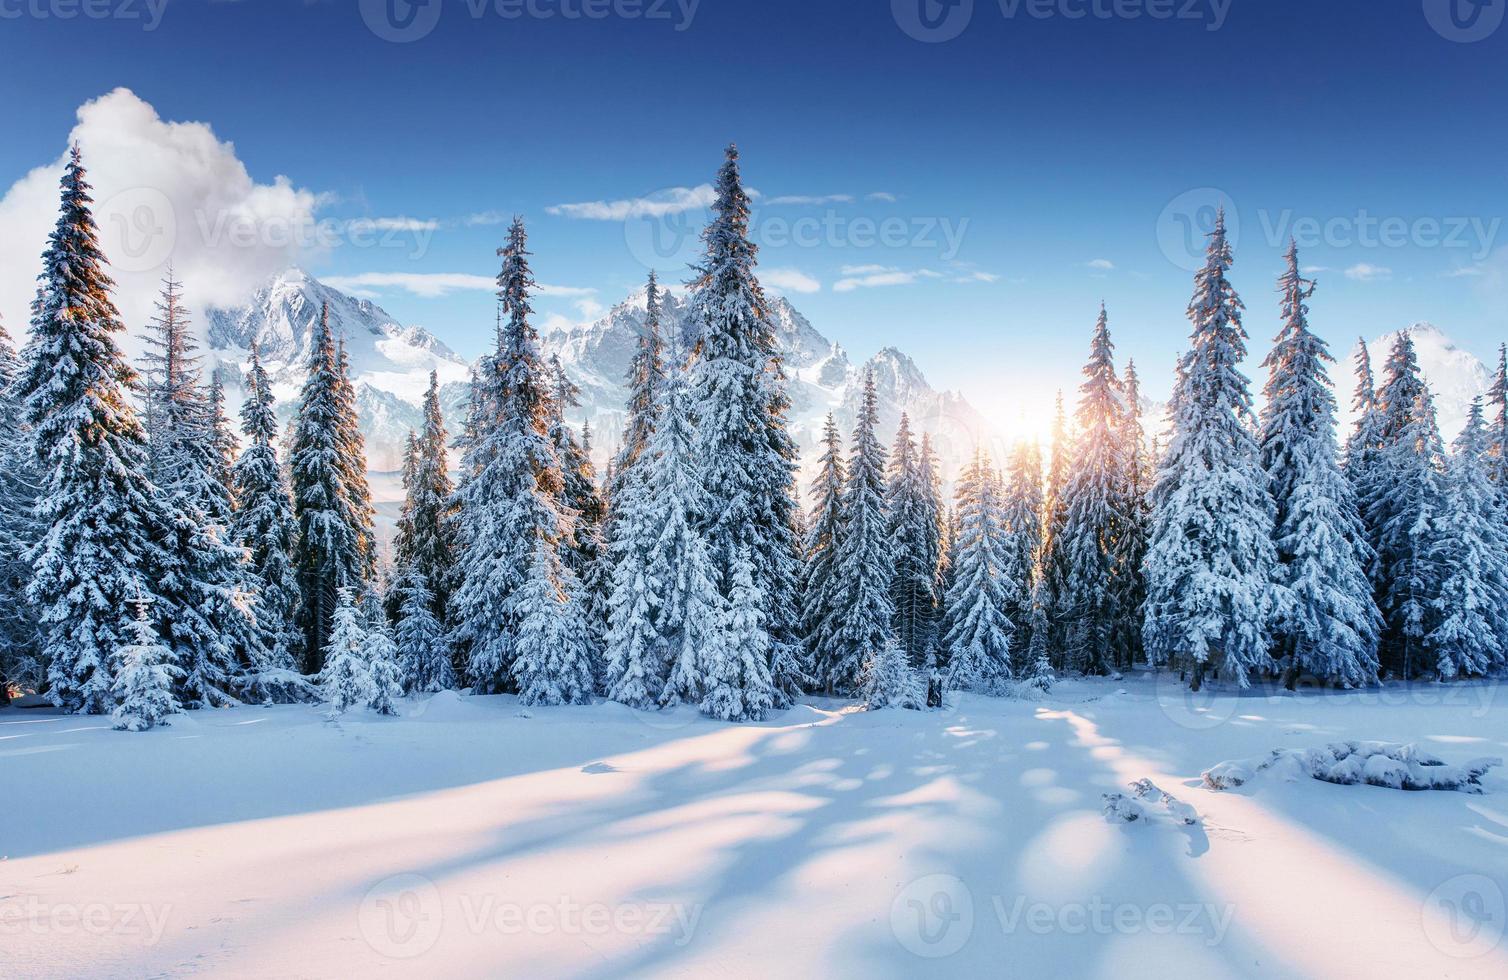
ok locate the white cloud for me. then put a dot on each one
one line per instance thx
(1310, 270)
(164, 191)
(590, 308)
(789, 280)
(396, 224)
(1100, 265)
(480, 218)
(431, 285)
(1367, 272)
(811, 199)
(884, 196)
(869, 276)
(672, 201)
(977, 276)
(1465, 272)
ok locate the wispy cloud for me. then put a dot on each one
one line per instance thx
(672, 201)
(433, 285)
(883, 196)
(394, 224)
(1469, 271)
(1100, 265)
(788, 280)
(811, 199)
(1367, 272)
(480, 219)
(1310, 270)
(870, 276)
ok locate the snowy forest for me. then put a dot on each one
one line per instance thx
(157, 556)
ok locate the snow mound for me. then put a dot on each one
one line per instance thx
(1392, 765)
(443, 706)
(1120, 808)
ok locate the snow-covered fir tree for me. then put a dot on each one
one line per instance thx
(977, 624)
(1328, 626)
(148, 675)
(738, 388)
(20, 639)
(1471, 611)
(351, 457)
(914, 516)
(1098, 512)
(381, 656)
(581, 498)
(345, 681)
(1022, 516)
(889, 680)
(863, 562)
(1210, 560)
(517, 610)
(1036, 667)
(1131, 545)
(1402, 510)
(646, 377)
(97, 511)
(423, 649)
(1497, 422)
(264, 524)
(737, 681)
(635, 650)
(824, 527)
(425, 539)
(1053, 563)
(332, 548)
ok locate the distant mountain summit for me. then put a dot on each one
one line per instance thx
(1454, 376)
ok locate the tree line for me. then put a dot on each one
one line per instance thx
(150, 561)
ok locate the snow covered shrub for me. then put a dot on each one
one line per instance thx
(144, 687)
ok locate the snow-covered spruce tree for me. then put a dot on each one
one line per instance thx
(144, 688)
(352, 457)
(1402, 510)
(1210, 560)
(425, 541)
(635, 651)
(692, 606)
(1328, 627)
(1098, 511)
(517, 610)
(1471, 627)
(1131, 545)
(738, 390)
(264, 525)
(20, 639)
(1022, 516)
(1053, 564)
(333, 546)
(581, 499)
(381, 656)
(423, 649)
(915, 542)
(977, 623)
(737, 680)
(1497, 424)
(1036, 671)
(345, 681)
(646, 377)
(98, 514)
(824, 527)
(929, 476)
(862, 564)
(888, 680)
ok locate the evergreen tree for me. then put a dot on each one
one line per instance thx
(862, 564)
(819, 613)
(264, 524)
(888, 680)
(1497, 430)
(581, 498)
(20, 640)
(423, 650)
(1036, 672)
(425, 541)
(96, 509)
(1471, 621)
(333, 547)
(914, 544)
(646, 378)
(738, 388)
(381, 656)
(1053, 565)
(1402, 511)
(1328, 627)
(1098, 512)
(144, 688)
(737, 678)
(1210, 560)
(346, 679)
(517, 610)
(351, 458)
(1022, 518)
(635, 649)
(977, 624)
(1131, 550)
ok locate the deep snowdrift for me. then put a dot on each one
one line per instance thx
(471, 838)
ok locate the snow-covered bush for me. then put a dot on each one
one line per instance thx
(144, 687)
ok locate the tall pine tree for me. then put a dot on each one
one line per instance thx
(977, 621)
(915, 544)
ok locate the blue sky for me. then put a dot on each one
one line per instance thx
(1020, 172)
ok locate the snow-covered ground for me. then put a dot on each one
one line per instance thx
(472, 838)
